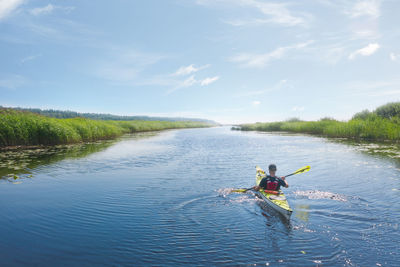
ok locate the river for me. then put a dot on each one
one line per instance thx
(164, 199)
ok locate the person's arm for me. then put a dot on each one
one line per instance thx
(285, 184)
(262, 184)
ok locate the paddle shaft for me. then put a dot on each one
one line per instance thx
(301, 170)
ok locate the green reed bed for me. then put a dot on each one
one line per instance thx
(18, 128)
(372, 128)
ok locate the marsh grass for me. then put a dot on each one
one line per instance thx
(21, 128)
(373, 127)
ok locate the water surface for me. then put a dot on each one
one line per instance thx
(165, 200)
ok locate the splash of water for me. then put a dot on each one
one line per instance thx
(316, 194)
(239, 198)
(224, 192)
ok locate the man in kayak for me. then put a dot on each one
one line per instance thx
(271, 181)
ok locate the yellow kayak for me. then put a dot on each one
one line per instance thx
(274, 199)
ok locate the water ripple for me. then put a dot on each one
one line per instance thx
(316, 194)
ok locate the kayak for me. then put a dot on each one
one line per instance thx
(275, 199)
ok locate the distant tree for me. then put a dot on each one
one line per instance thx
(362, 115)
(327, 119)
(73, 114)
(294, 119)
(389, 110)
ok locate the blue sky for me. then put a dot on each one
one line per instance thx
(232, 61)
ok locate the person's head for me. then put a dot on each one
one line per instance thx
(272, 168)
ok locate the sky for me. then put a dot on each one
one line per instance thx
(232, 61)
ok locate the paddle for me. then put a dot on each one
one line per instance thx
(242, 190)
(301, 170)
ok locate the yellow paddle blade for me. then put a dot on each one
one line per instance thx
(241, 190)
(302, 170)
(258, 169)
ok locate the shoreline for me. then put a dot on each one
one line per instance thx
(377, 130)
(20, 130)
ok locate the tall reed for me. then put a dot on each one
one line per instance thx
(372, 128)
(25, 128)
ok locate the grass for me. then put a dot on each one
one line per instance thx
(20, 128)
(373, 128)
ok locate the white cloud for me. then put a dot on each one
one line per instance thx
(278, 13)
(8, 6)
(365, 51)
(261, 60)
(367, 32)
(188, 82)
(189, 69)
(369, 8)
(42, 10)
(256, 103)
(209, 80)
(38, 11)
(182, 84)
(192, 81)
(275, 13)
(29, 58)
(394, 57)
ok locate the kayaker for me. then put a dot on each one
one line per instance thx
(271, 181)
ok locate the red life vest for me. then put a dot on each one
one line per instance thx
(272, 185)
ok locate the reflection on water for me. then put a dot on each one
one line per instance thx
(20, 163)
(388, 150)
(302, 212)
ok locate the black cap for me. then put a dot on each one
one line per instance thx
(272, 167)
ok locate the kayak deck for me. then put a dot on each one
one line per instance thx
(277, 201)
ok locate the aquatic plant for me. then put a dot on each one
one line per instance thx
(364, 125)
(25, 128)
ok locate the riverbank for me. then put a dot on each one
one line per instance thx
(381, 125)
(21, 128)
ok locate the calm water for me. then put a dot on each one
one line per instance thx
(165, 200)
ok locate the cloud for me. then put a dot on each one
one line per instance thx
(261, 60)
(256, 103)
(182, 84)
(190, 81)
(369, 8)
(273, 13)
(42, 10)
(29, 58)
(189, 69)
(394, 57)
(8, 6)
(277, 13)
(208, 81)
(365, 51)
(38, 11)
